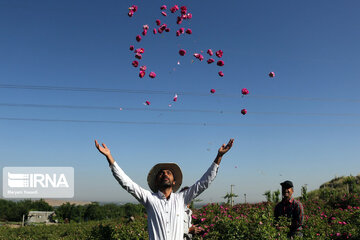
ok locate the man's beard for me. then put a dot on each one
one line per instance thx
(165, 184)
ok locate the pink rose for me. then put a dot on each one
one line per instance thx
(138, 38)
(220, 63)
(243, 111)
(210, 60)
(158, 22)
(152, 75)
(182, 52)
(143, 68)
(244, 91)
(164, 13)
(141, 74)
(221, 74)
(188, 31)
(271, 74)
(131, 47)
(212, 90)
(210, 52)
(135, 63)
(163, 7)
(219, 53)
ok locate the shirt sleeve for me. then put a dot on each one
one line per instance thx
(202, 184)
(131, 187)
(299, 216)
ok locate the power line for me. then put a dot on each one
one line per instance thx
(163, 92)
(177, 123)
(26, 105)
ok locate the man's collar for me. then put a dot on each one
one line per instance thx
(162, 196)
(288, 201)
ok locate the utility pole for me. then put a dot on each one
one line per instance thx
(231, 195)
(245, 197)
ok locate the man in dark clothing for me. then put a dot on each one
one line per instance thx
(290, 208)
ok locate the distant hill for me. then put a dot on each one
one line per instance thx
(337, 186)
(56, 202)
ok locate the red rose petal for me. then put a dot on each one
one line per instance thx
(141, 74)
(135, 63)
(131, 47)
(152, 75)
(178, 33)
(163, 7)
(243, 111)
(244, 91)
(158, 22)
(272, 74)
(154, 31)
(164, 14)
(147, 103)
(138, 38)
(138, 56)
(210, 60)
(221, 74)
(212, 90)
(143, 68)
(219, 53)
(189, 16)
(182, 52)
(167, 30)
(188, 31)
(220, 63)
(210, 52)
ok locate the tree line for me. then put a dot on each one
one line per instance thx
(14, 211)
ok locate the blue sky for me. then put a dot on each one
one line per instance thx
(302, 125)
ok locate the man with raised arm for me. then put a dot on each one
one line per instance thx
(164, 207)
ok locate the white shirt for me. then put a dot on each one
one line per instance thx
(165, 216)
(187, 219)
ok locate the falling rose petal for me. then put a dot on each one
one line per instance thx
(141, 74)
(147, 103)
(182, 30)
(243, 111)
(160, 30)
(163, 27)
(144, 32)
(189, 31)
(175, 98)
(174, 8)
(183, 9)
(154, 31)
(143, 68)
(138, 38)
(210, 52)
(184, 16)
(158, 22)
(152, 75)
(130, 13)
(134, 8)
(167, 30)
(182, 52)
(179, 20)
(212, 91)
(146, 27)
(221, 74)
(135, 63)
(220, 63)
(138, 56)
(140, 50)
(131, 47)
(201, 57)
(219, 53)
(189, 16)
(244, 91)
(196, 55)
(271, 74)
(210, 60)
(163, 7)
(178, 33)
(164, 14)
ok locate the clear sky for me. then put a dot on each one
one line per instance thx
(302, 125)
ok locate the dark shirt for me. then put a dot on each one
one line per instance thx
(291, 209)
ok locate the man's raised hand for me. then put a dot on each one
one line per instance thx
(102, 149)
(224, 148)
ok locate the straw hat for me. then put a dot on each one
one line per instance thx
(173, 167)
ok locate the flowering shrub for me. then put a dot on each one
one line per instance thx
(323, 220)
